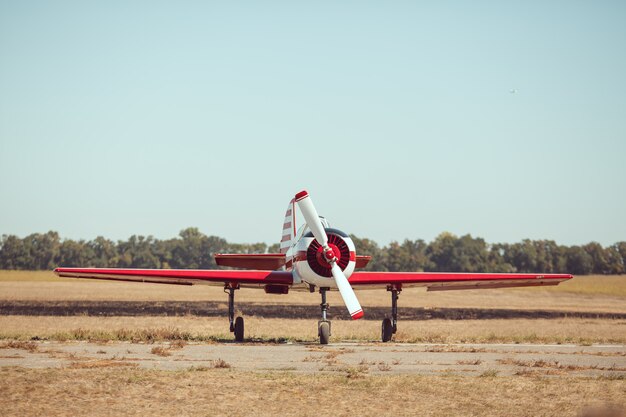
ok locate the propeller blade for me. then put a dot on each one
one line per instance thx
(347, 293)
(312, 219)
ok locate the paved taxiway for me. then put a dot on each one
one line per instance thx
(469, 359)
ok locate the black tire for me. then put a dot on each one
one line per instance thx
(324, 332)
(239, 329)
(387, 330)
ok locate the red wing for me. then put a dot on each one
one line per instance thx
(182, 276)
(265, 261)
(441, 281)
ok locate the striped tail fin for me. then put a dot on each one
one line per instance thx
(289, 227)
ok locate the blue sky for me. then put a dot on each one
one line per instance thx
(506, 120)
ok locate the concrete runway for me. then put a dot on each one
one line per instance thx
(371, 358)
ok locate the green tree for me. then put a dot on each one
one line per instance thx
(615, 260)
(496, 258)
(441, 252)
(13, 253)
(408, 256)
(105, 254)
(579, 262)
(246, 248)
(599, 256)
(137, 252)
(43, 249)
(523, 256)
(195, 250)
(621, 248)
(464, 254)
(72, 253)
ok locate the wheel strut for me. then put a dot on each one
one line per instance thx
(323, 326)
(390, 326)
(395, 293)
(236, 325)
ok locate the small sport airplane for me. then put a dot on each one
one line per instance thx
(315, 256)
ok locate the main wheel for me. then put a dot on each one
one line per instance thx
(387, 330)
(324, 332)
(239, 329)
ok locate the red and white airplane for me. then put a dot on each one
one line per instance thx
(315, 256)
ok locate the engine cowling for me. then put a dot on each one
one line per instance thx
(311, 265)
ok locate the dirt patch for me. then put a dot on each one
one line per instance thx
(541, 363)
(103, 363)
(20, 344)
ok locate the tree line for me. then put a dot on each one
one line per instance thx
(193, 249)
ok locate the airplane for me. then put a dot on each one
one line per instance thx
(316, 256)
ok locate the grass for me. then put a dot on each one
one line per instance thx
(588, 294)
(161, 351)
(59, 333)
(20, 344)
(469, 362)
(384, 366)
(540, 363)
(111, 386)
(100, 389)
(489, 373)
(356, 372)
(220, 364)
(101, 363)
(211, 330)
(175, 344)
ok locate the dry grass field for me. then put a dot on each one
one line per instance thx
(585, 310)
(258, 329)
(573, 312)
(103, 391)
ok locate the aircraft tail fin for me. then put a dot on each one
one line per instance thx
(289, 227)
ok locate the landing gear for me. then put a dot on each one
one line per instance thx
(323, 326)
(390, 326)
(236, 325)
(324, 332)
(239, 329)
(387, 330)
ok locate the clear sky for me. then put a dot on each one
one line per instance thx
(506, 120)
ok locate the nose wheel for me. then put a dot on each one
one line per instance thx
(390, 325)
(323, 326)
(236, 325)
(324, 332)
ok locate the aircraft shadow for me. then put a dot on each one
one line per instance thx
(219, 309)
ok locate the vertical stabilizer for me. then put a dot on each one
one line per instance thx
(289, 227)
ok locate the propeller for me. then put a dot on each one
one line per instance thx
(313, 221)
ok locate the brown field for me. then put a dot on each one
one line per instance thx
(40, 305)
(258, 329)
(117, 390)
(37, 305)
